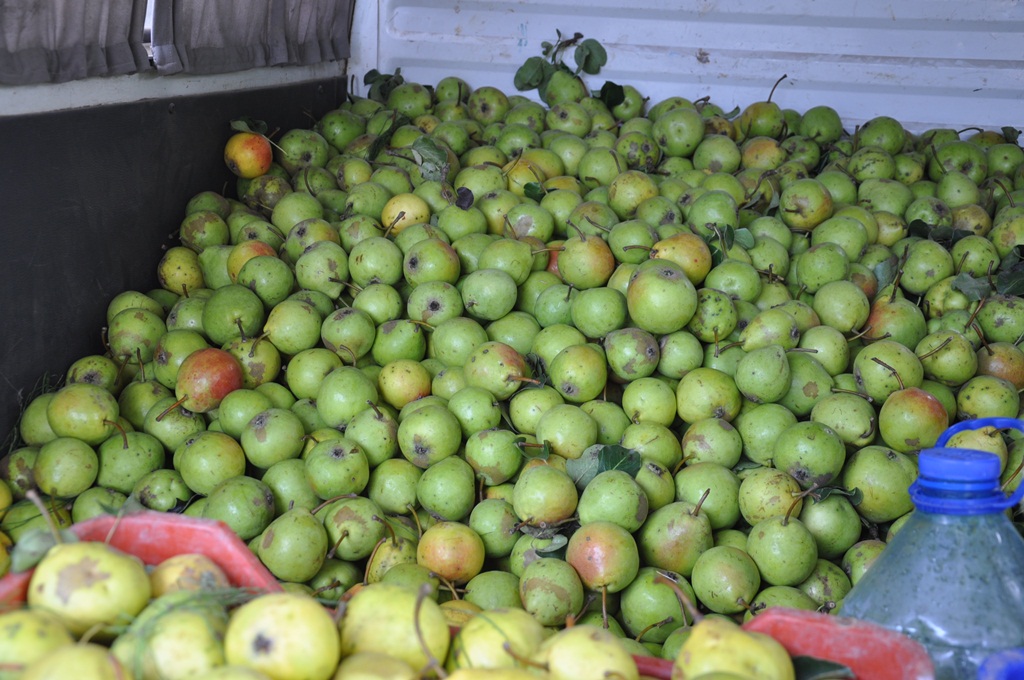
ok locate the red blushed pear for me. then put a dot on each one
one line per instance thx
(248, 154)
(245, 251)
(586, 261)
(554, 248)
(911, 419)
(687, 250)
(452, 550)
(605, 556)
(205, 377)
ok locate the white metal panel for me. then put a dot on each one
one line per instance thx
(928, 63)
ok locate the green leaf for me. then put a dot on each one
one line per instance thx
(590, 56)
(531, 74)
(246, 124)
(584, 468)
(530, 450)
(732, 114)
(384, 138)
(744, 238)
(885, 271)
(1012, 259)
(919, 228)
(558, 541)
(433, 160)
(854, 495)
(812, 668)
(745, 464)
(974, 289)
(534, 190)
(615, 457)
(1011, 281)
(32, 547)
(716, 255)
(612, 94)
(381, 84)
(1011, 134)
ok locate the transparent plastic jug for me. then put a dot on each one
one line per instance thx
(952, 578)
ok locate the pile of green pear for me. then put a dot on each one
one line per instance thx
(554, 354)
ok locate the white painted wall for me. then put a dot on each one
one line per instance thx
(927, 63)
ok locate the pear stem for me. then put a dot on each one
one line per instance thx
(684, 601)
(657, 624)
(936, 349)
(170, 408)
(334, 548)
(432, 662)
(784, 76)
(524, 660)
(892, 370)
(33, 496)
(416, 519)
(700, 502)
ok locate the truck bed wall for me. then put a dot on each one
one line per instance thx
(89, 196)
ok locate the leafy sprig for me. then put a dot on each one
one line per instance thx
(588, 56)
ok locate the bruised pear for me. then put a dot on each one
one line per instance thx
(89, 584)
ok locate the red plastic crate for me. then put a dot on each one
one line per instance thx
(870, 651)
(156, 536)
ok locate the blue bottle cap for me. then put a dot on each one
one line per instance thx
(967, 466)
(963, 481)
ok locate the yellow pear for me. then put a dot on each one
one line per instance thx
(720, 645)
(374, 666)
(494, 674)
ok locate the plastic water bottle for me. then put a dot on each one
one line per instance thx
(952, 577)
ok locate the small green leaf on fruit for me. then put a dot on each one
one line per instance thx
(612, 94)
(731, 114)
(530, 450)
(1012, 259)
(558, 541)
(885, 271)
(246, 124)
(744, 238)
(590, 56)
(716, 255)
(534, 191)
(974, 289)
(813, 668)
(432, 159)
(33, 546)
(919, 228)
(583, 469)
(745, 464)
(615, 457)
(1011, 134)
(1011, 281)
(531, 74)
(821, 493)
(381, 84)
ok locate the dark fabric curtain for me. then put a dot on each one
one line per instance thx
(199, 36)
(54, 41)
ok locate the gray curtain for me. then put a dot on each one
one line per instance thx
(200, 36)
(54, 41)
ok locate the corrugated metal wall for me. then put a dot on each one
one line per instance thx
(928, 63)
